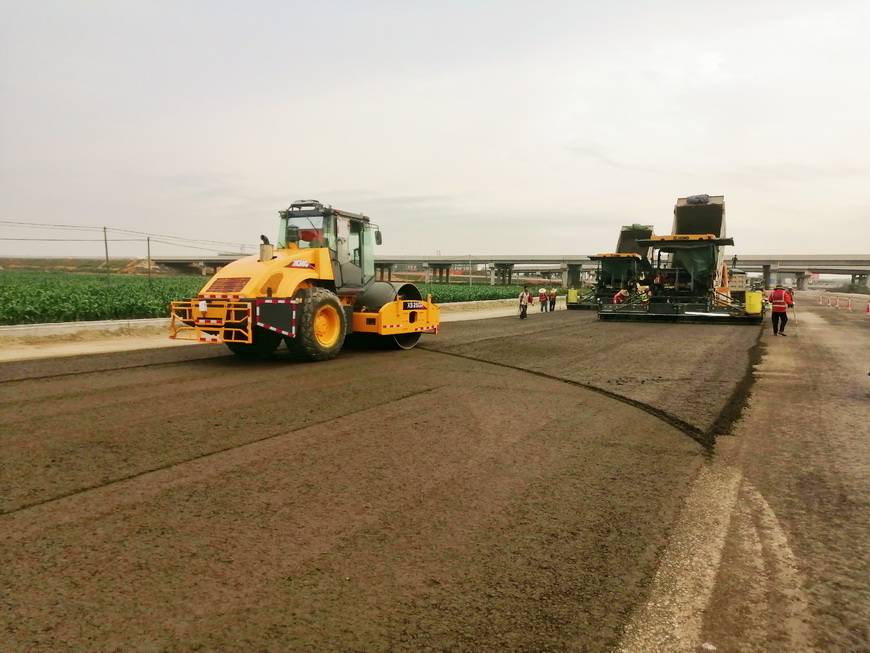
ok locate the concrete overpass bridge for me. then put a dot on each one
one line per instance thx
(773, 268)
(502, 268)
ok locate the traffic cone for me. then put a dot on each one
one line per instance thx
(867, 310)
(850, 303)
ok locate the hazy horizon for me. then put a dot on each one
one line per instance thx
(482, 128)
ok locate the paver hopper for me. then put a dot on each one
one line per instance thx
(690, 280)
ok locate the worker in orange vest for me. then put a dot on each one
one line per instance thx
(780, 301)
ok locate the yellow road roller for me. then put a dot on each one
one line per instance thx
(311, 289)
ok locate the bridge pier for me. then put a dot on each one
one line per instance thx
(504, 273)
(765, 276)
(572, 274)
(801, 280)
(861, 280)
(384, 269)
(441, 270)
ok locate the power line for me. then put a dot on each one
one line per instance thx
(82, 240)
(188, 240)
(207, 249)
(44, 225)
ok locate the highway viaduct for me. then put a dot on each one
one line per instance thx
(501, 269)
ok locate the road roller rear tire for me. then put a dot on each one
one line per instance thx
(405, 340)
(321, 325)
(263, 346)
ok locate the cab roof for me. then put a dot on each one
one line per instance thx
(685, 241)
(310, 208)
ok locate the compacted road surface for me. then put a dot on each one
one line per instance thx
(552, 484)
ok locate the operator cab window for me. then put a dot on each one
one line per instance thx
(368, 252)
(355, 243)
(307, 232)
(349, 253)
(355, 252)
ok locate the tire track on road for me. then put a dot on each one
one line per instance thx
(722, 424)
(100, 370)
(178, 463)
(705, 438)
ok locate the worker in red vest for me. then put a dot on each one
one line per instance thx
(780, 301)
(525, 299)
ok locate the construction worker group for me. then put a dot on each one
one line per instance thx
(546, 299)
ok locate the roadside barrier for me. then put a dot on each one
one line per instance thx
(845, 303)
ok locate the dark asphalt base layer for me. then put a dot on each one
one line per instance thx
(184, 500)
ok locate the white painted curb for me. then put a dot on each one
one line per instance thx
(68, 328)
(131, 327)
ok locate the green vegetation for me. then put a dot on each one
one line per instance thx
(443, 294)
(33, 297)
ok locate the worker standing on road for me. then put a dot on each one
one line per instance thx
(542, 298)
(780, 301)
(525, 300)
(553, 299)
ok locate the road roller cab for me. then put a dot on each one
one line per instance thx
(311, 288)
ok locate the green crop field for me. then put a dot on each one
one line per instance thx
(443, 294)
(34, 297)
(31, 297)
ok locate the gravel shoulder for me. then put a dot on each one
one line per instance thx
(795, 573)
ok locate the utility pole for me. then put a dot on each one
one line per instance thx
(106, 248)
(469, 269)
(148, 241)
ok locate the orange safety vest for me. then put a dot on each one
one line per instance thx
(780, 300)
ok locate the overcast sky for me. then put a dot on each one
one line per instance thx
(465, 127)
